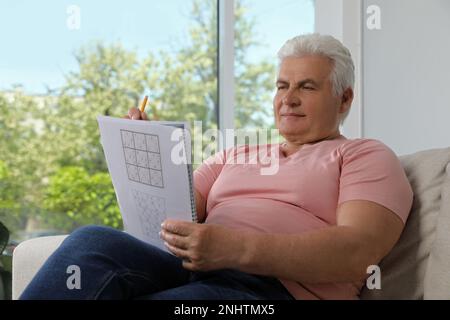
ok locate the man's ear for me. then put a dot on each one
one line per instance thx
(346, 101)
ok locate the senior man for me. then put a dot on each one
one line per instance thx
(310, 231)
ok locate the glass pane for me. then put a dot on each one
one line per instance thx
(261, 28)
(60, 66)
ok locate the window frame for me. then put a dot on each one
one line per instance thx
(225, 76)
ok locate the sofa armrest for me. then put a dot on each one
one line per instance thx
(28, 257)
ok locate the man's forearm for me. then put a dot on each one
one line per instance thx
(335, 254)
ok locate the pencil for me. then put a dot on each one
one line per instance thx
(144, 102)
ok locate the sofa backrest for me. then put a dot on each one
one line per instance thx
(419, 262)
(437, 277)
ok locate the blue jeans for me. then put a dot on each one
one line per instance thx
(114, 265)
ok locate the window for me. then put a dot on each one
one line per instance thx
(62, 63)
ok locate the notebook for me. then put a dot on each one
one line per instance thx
(151, 170)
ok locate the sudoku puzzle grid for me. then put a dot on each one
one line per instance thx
(151, 213)
(142, 158)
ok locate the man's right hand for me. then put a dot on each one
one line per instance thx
(136, 114)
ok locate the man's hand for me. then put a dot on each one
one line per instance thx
(203, 247)
(136, 114)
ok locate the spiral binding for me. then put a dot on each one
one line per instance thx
(191, 181)
(191, 187)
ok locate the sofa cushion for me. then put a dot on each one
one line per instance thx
(437, 277)
(403, 269)
(28, 258)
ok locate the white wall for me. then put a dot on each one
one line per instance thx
(403, 69)
(406, 72)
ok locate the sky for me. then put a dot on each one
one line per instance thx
(38, 38)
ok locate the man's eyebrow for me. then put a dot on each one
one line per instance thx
(300, 83)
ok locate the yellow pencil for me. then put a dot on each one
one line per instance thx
(144, 102)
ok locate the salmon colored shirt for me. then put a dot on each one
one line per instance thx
(303, 193)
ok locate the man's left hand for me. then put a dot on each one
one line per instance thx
(203, 247)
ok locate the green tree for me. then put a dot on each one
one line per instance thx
(21, 165)
(10, 194)
(75, 198)
(109, 81)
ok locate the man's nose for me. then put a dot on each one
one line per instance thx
(291, 98)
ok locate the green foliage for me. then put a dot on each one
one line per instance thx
(5, 265)
(77, 198)
(9, 193)
(18, 178)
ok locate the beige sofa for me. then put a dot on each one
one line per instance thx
(417, 268)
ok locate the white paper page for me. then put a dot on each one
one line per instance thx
(149, 185)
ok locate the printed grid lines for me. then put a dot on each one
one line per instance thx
(142, 158)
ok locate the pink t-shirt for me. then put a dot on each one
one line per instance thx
(303, 193)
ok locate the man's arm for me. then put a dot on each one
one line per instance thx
(364, 234)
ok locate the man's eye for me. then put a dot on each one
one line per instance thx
(309, 88)
(281, 88)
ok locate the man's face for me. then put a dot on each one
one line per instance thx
(305, 107)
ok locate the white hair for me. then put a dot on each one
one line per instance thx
(343, 74)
